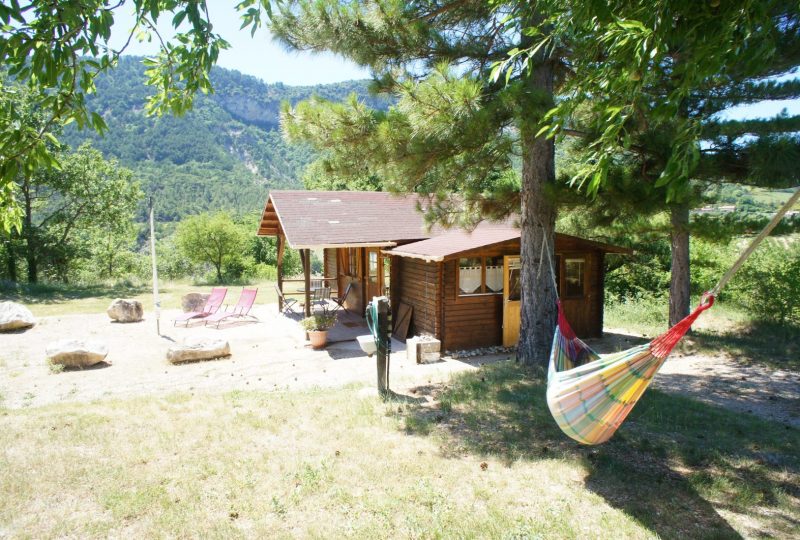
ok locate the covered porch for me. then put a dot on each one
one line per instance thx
(351, 229)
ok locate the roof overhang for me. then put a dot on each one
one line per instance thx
(410, 255)
(352, 245)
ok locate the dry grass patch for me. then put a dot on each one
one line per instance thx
(483, 461)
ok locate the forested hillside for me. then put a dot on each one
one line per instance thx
(224, 154)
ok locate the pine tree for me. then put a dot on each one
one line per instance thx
(649, 81)
(455, 128)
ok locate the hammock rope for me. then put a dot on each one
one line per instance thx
(590, 395)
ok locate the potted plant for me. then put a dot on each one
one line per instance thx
(317, 327)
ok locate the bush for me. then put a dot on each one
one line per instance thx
(768, 285)
(319, 323)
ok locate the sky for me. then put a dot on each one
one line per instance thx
(262, 57)
(259, 56)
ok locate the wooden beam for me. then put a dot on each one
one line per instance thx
(281, 248)
(363, 276)
(306, 256)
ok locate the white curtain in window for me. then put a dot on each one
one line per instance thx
(494, 278)
(469, 279)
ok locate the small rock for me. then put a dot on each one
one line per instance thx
(125, 311)
(194, 301)
(75, 353)
(15, 316)
(197, 348)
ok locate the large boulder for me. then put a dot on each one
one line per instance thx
(196, 348)
(194, 301)
(125, 311)
(15, 316)
(76, 353)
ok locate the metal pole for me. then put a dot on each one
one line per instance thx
(383, 344)
(156, 301)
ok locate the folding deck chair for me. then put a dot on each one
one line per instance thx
(340, 300)
(212, 305)
(240, 310)
(288, 303)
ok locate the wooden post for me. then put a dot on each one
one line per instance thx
(383, 345)
(281, 248)
(306, 256)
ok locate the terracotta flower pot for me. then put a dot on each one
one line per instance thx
(318, 338)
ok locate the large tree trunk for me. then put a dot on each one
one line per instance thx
(680, 278)
(538, 305)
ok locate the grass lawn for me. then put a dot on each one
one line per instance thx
(723, 328)
(57, 299)
(484, 461)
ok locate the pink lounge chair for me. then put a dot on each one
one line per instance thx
(212, 305)
(241, 309)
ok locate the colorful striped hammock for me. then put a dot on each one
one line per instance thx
(590, 396)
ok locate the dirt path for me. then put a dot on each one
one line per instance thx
(272, 355)
(721, 380)
(267, 355)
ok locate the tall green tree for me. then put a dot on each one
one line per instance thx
(453, 129)
(61, 207)
(210, 239)
(648, 81)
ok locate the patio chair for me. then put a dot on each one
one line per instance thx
(288, 303)
(240, 310)
(340, 300)
(321, 298)
(212, 305)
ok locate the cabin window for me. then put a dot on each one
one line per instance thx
(494, 274)
(480, 275)
(470, 275)
(372, 266)
(574, 272)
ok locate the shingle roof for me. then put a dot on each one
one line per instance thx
(457, 241)
(316, 219)
(313, 219)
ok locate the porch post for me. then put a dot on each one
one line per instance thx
(306, 256)
(281, 247)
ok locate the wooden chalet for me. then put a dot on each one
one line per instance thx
(463, 287)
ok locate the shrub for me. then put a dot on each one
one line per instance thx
(319, 323)
(768, 285)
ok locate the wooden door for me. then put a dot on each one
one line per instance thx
(374, 273)
(511, 299)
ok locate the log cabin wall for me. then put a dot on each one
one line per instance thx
(585, 313)
(416, 284)
(476, 320)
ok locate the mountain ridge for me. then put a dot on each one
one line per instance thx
(225, 153)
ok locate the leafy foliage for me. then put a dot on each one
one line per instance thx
(769, 283)
(73, 217)
(59, 49)
(211, 239)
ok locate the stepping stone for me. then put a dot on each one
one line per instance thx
(75, 353)
(195, 348)
(125, 311)
(15, 316)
